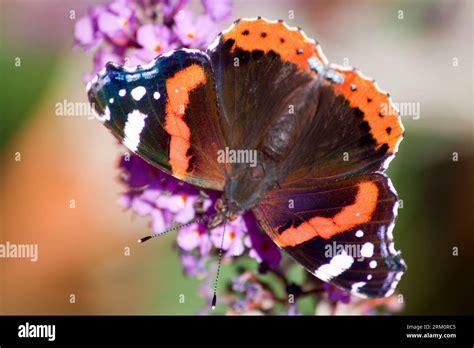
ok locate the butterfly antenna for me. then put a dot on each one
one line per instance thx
(219, 261)
(175, 228)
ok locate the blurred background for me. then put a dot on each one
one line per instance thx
(421, 55)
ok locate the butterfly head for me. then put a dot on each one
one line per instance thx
(224, 213)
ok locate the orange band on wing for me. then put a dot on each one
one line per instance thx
(178, 88)
(262, 35)
(359, 212)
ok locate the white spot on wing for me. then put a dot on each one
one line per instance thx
(138, 93)
(315, 64)
(356, 286)
(133, 128)
(156, 95)
(367, 250)
(122, 92)
(373, 264)
(105, 116)
(336, 266)
(359, 234)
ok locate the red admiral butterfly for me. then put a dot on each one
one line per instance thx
(321, 134)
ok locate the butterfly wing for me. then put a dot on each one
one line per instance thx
(355, 129)
(339, 230)
(323, 131)
(166, 112)
(279, 95)
(262, 73)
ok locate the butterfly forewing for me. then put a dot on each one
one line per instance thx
(167, 113)
(262, 74)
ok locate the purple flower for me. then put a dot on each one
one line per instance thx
(144, 203)
(254, 292)
(194, 236)
(104, 55)
(137, 173)
(193, 266)
(262, 247)
(293, 310)
(169, 8)
(159, 221)
(335, 294)
(130, 31)
(194, 32)
(256, 298)
(117, 22)
(233, 238)
(181, 205)
(264, 250)
(218, 9)
(86, 32)
(155, 40)
(238, 285)
(157, 195)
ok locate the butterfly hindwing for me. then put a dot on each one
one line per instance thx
(167, 113)
(339, 230)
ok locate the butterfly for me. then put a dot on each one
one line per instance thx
(305, 143)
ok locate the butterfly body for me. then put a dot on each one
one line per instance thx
(263, 117)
